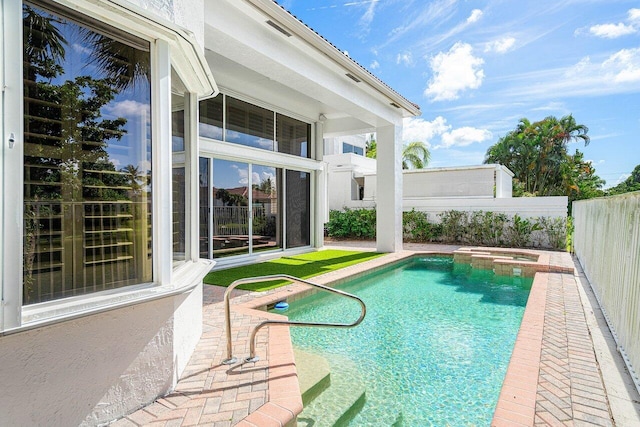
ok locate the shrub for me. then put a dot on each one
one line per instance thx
(487, 228)
(356, 223)
(474, 228)
(417, 228)
(519, 231)
(454, 226)
(553, 232)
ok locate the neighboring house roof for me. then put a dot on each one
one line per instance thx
(258, 195)
(295, 26)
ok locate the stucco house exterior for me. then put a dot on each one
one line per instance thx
(142, 142)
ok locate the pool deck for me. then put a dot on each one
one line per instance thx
(564, 369)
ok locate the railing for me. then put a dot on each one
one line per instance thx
(252, 349)
(233, 220)
(607, 243)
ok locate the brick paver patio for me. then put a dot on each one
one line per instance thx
(553, 378)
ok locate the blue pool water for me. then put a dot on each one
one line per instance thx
(433, 348)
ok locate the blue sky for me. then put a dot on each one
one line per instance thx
(477, 66)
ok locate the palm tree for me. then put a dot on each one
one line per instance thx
(371, 150)
(537, 155)
(43, 44)
(415, 155)
(124, 65)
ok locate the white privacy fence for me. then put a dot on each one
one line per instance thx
(607, 244)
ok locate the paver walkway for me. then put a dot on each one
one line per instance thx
(556, 380)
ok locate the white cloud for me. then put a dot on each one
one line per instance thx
(416, 129)
(405, 58)
(617, 73)
(552, 106)
(81, 49)
(454, 72)
(243, 175)
(612, 31)
(367, 18)
(255, 178)
(127, 109)
(623, 66)
(264, 176)
(431, 14)
(475, 16)
(463, 137)
(374, 65)
(502, 45)
(580, 68)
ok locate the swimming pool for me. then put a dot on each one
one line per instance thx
(433, 349)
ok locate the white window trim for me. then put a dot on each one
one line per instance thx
(12, 162)
(242, 153)
(166, 282)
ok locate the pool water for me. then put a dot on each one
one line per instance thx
(433, 348)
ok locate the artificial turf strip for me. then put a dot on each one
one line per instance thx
(302, 266)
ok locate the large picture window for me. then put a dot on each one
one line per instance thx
(87, 157)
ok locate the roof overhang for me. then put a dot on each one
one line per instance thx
(262, 53)
(355, 71)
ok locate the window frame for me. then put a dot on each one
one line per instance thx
(166, 281)
(311, 143)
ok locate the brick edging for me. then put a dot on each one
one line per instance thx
(517, 402)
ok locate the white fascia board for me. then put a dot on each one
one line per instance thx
(187, 56)
(287, 21)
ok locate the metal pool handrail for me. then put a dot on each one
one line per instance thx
(252, 354)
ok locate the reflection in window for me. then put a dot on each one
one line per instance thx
(249, 124)
(293, 136)
(298, 202)
(204, 217)
(211, 118)
(265, 207)
(87, 157)
(177, 129)
(178, 181)
(230, 197)
(349, 148)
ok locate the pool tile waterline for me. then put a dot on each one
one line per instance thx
(267, 393)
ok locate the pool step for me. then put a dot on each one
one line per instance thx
(314, 374)
(328, 403)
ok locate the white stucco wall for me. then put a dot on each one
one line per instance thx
(93, 369)
(526, 207)
(438, 190)
(468, 181)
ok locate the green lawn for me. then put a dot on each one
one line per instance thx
(302, 266)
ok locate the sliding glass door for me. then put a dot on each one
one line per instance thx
(247, 208)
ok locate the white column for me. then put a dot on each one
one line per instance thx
(389, 188)
(321, 214)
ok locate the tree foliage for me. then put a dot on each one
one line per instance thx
(537, 154)
(632, 183)
(415, 155)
